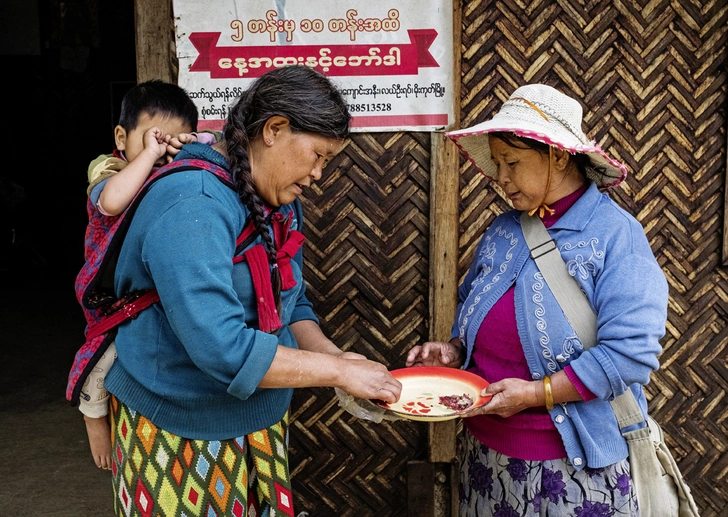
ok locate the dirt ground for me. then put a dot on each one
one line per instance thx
(45, 463)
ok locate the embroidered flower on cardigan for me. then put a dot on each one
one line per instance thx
(568, 347)
(581, 267)
(584, 267)
(485, 257)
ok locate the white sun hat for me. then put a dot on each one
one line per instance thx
(541, 113)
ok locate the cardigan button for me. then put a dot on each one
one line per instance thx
(560, 358)
(535, 376)
(578, 461)
(559, 419)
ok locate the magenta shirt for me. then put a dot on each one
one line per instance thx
(498, 354)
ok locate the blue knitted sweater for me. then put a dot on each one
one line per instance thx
(192, 363)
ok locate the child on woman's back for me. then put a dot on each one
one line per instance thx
(156, 119)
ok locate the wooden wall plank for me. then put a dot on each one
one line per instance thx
(154, 27)
(444, 221)
(420, 496)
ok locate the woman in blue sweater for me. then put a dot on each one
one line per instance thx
(204, 378)
(548, 442)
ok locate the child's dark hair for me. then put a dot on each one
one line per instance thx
(310, 102)
(156, 97)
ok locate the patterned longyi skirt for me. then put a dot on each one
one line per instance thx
(493, 484)
(157, 473)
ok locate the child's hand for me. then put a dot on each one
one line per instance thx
(174, 144)
(154, 141)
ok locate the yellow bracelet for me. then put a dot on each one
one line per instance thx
(548, 394)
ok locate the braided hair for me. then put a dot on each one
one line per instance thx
(310, 102)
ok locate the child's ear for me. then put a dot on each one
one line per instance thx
(120, 137)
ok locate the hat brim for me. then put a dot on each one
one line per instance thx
(473, 142)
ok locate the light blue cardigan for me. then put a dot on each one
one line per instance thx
(606, 250)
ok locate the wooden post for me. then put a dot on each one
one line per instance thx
(154, 28)
(444, 225)
(420, 493)
(444, 219)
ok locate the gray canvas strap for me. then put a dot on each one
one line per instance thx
(574, 303)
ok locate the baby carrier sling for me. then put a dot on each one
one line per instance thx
(104, 311)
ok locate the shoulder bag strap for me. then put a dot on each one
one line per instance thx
(573, 302)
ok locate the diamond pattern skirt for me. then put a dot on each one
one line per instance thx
(157, 473)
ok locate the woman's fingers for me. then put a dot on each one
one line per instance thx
(391, 391)
(413, 356)
(432, 353)
(509, 396)
(370, 379)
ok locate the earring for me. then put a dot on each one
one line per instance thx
(268, 141)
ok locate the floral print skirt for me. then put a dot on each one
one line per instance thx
(492, 484)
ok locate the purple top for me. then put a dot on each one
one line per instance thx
(497, 355)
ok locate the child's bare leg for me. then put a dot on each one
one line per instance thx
(99, 438)
(94, 404)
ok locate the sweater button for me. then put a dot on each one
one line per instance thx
(535, 376)
(559, 419)
(560, 358)
(577, 461)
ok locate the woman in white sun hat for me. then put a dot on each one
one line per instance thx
(548, 442)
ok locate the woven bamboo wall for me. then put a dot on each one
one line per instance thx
(653, 83)
(366, 253)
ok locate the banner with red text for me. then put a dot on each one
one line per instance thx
(392, 60)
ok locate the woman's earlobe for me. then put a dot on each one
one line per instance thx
(562, 158)
(273, 127)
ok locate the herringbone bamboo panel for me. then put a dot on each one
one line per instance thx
(366, 253)
(652, 78)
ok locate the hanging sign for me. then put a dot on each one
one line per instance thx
(392, 60)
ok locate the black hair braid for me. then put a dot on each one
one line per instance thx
(237, 149)
(309, 101)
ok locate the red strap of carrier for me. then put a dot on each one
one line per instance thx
(127, 311)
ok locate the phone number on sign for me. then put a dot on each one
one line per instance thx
(358, 108)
